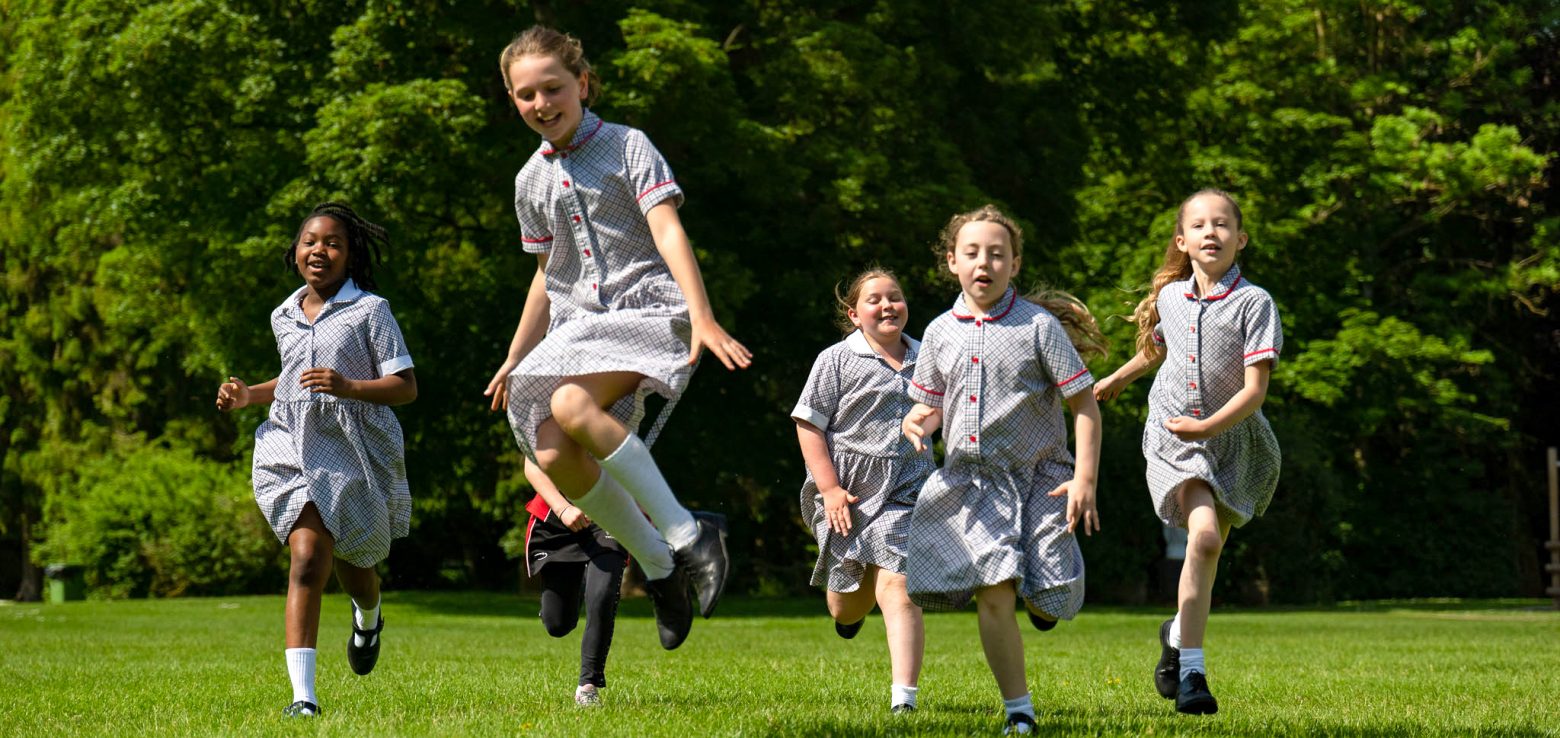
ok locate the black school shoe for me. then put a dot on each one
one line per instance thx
(705, 560)
(1041, 624)
(1167, 675)
(362, 658)
(1020, 723)
(301, 709)
(903, 708)
(848, 631)
(1194, 697)
(673, 609)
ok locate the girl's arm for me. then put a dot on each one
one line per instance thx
(1111, 386)
(815, 453)
(533, 327)
(397, 389)
(920, 423)
(672, 242)
(1245, 402)
(1080, 489)
(234, 394)
(560, 505)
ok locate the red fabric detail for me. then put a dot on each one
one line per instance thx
(972, 398)
(1080, 373)
(566, 183)
(537, 507)
(974, 359)
(582, 141)
(1254, 353)
(536, 240)
(927, 390)
(576, 219)
(653, 188)
(587, 252)
(972, 439)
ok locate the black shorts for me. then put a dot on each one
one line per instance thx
(548, 539)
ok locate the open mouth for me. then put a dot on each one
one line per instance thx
(545, 119)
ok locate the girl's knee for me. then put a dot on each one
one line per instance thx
(1205, 544)
(998, 600)
(311, 560)
(571, 405)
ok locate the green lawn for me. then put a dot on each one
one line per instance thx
(480, 664)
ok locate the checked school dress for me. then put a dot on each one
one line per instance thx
(346, 456)
(1208, 343)
(614, 304)
(986, 516)
(858, 401)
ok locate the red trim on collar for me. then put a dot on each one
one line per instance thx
(1011, 302)
(1223, 294)
(578, 143)
(927, 390)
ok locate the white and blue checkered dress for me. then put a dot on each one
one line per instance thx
(345, 456)
(614, 304)
(1208, 343)
(858, 401)
(986, 516)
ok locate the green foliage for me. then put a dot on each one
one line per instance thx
(1393, 160)
(149, 520)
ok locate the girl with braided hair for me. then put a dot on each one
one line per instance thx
(329, 472)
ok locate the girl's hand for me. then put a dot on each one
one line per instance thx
(1109, 387)
(575, 518)
(709, 335)
(836, 508)
(1080, 505)
(327, 380)
(232, 394)
(1188, 429)
(920, 422)
(498, 387)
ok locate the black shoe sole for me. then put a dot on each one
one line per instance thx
(1198, 706)
(1041, 624)
(848, 630)
(1167, 674)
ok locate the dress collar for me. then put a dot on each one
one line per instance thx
(1004, 306)
(589, 125)
(857, 343)
(1226, 285)
(349, 292)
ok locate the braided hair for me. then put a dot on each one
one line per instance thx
(366, 242)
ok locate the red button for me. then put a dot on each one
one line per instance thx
(593, 286)
(587, 252)
(576, 219)
(972, 398)
(566, 183)
(1193, 385)
(1194, 328)
(974, 359)
(977, 324)
(1198, 413)
(972, 439)
(1192, 358)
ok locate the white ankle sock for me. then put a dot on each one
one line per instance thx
(365, 618)
(300, 668)
(633, 468)
(610, 507)
(1192, 660)
(1175, 632)
(899, 694)
(1020, 704)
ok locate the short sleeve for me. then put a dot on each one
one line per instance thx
(1060, 358)
(649, 176)
(928, 385)
(1158, 334)
(384, 339)
(1264, 333)
(531, 196)
(821, 395)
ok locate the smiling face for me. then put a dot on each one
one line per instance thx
(983, 260)
(321, 254)
(1210, 235)
(548, 96)
(880, 311)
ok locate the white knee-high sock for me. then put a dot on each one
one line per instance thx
(300, 668)
(610, 507)
(1192, 661)
(1175, 632)
(633, 468)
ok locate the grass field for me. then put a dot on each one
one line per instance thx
(480, 664)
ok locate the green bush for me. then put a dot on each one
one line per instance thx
(146, 519)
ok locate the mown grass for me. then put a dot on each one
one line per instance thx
(480, 664)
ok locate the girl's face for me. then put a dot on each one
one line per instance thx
(983, 260)
(548, 96)
(880, 311)
(321, 254)
(1210, 234)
